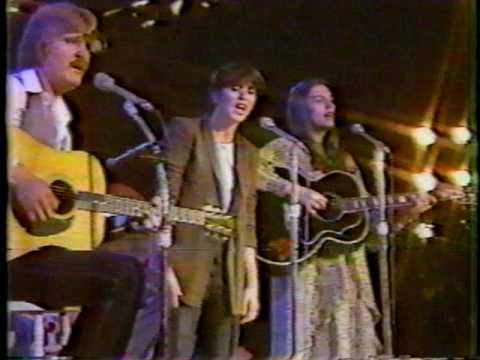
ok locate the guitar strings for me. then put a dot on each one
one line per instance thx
(67, 194)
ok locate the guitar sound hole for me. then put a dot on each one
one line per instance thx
(65, 194)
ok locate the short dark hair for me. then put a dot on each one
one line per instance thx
(49, 21)
(236, 74)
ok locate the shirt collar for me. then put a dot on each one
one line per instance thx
(31, 81)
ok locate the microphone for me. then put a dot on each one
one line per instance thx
(358, 129)
(132, 5)
(105, 82)
(269, 124)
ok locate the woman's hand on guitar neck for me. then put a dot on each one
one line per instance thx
(312, 200)
(443, 191)
(33, 196)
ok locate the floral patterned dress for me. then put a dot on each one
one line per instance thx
(341, 307)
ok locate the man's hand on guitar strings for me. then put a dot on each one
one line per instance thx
(312, 200)
(33, 195)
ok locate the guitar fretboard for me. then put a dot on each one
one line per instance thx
(131, 207)
(373, 202)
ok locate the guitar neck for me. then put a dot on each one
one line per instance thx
(111, 204)
(132, 207)
(374, 202)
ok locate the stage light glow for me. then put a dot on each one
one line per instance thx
(424, 136)
(140, 3)
(424, 181)
(424, 230)
(459, 177)
(148, 23)
(460, 135)
(176, 7)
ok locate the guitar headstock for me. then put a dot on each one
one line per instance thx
(217, 223)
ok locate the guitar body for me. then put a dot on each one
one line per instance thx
(75, 230)
(331, 232)
(338, 232)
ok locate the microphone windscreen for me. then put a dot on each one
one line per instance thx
(266, 122)
(103, 81)
(357, 128)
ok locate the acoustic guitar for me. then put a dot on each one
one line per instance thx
(345, 222)
(78, 181)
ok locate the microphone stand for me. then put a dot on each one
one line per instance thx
(292, 212)
(383, 234)
(132, 111)
(160, 257)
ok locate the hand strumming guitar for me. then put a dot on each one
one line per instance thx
(311, 199)
(33, 196)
